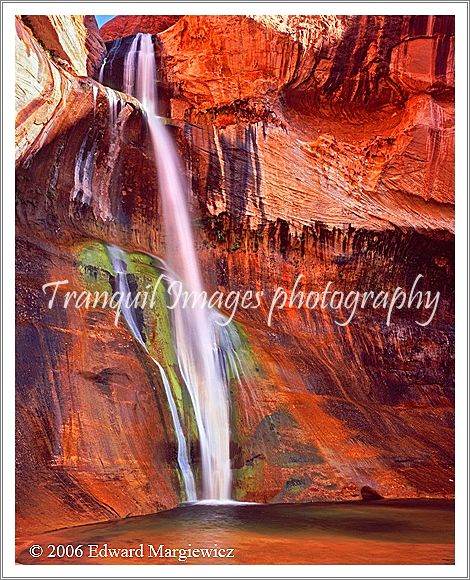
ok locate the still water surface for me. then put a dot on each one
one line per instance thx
(383, 532)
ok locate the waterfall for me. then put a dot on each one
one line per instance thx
(118, 262)
(119, 265)
(128, 81)
(108, 59)
(194, 333)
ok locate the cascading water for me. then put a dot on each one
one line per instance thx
(204, 363)
(113, 100)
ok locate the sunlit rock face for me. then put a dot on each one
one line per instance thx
(348, 112)
(321, 146)
(74, 41)
(67, 143)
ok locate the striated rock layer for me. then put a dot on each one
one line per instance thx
(321, 146)
(362, 115)
(73, 41)
(94, 436)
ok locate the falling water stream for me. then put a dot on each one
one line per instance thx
(197, 334)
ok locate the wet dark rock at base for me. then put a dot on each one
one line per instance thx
(369, 494)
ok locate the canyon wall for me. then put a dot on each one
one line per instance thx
(320, 146)
(121, 26)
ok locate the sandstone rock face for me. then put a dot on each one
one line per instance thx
(44, 85)
(70, 476)
(207, 57)
(341, 407)
(73, 39)
(91, 423)
(120, 26)
(320, 146)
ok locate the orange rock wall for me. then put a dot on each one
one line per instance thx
(120, 26)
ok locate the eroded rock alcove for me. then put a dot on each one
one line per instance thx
(313, 145)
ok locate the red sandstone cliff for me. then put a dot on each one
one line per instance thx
(360, 121)
(315, 145)
(120, 26)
